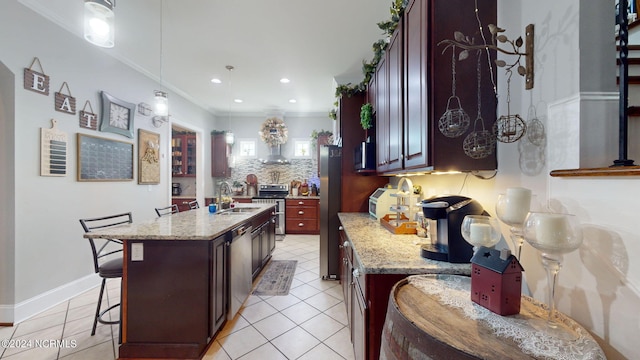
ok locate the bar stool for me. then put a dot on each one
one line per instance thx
(167, 210)
(106, 268)
(194, 205)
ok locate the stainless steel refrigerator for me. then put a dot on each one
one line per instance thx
(330, 198)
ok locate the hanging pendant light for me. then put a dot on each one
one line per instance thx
(99, 22)
(161, 100)
(161, 103)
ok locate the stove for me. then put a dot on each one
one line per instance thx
(274, 194)
(272, 191)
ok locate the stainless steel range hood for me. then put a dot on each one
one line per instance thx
(275, 157)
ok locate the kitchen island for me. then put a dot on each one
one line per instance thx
(176, 290)
(373, 261)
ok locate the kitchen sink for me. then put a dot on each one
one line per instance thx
(237, 210)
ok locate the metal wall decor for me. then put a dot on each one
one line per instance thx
(36, 81)
(88, 120)
(53, 151)
(508, 128)
(455, 121)
(65, 102)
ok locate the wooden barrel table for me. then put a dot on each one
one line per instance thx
(433, 317)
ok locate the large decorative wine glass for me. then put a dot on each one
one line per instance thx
(512, 208)
(480, 230)
(553, 235)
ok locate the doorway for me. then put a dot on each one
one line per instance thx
(186, 165)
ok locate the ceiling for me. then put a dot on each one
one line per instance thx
(183, 44)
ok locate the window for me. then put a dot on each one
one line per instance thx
(301, 148)
(247, 148)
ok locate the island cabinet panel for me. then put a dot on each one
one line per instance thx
(168, 314)
(219, 285)
(302, 216)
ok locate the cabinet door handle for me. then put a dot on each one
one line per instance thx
(345, 244)
(300, 202)
(340, 228)
(301, 224)
(300, 212)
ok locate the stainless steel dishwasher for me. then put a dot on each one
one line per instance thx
(239, 268)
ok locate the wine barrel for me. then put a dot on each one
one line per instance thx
(420, 326)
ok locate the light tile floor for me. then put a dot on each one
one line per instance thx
(309, 323)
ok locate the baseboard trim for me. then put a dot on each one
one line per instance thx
(39, 303)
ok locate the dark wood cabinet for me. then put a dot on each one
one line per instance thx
(394, 88)
(302, 216)
(183, 203)
(416, 81)
(220, 152)
(183, 155)
(263, 242)
(219, 284)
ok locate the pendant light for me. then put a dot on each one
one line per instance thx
(161, 100)
(229, 137)
(99, 22)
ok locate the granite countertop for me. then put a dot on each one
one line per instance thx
(302, 197)
(381, 252)
(197, 224)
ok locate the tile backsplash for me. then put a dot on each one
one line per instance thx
(298, 169)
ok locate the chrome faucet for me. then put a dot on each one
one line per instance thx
(223, 186)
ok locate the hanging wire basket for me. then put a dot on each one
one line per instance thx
(455, 121)
(479, 144)
(509, 128)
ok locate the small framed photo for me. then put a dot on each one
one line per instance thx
(117, 116)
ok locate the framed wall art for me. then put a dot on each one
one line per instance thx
(117, 116)
(148, 157)
(102, 159)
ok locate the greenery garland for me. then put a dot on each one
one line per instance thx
(274, 131)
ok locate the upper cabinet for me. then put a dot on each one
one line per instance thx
(419, 89)
(220, 152)
(183, 155)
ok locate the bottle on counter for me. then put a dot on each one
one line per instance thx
(304, 188)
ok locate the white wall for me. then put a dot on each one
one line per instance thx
(575, 97)
(52, 260)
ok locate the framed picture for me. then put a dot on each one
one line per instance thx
(102, 159)
(148, 157)
(117, 116)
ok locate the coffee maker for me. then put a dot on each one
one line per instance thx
(445, 214)
(176, 189)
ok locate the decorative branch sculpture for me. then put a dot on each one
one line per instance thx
(467, 43)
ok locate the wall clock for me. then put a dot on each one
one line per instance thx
(117, 116)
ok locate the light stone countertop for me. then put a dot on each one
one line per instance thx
(197, 224)
(381, 252)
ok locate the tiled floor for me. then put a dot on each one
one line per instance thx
(309, 323)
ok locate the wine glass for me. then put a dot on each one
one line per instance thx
(553, 235)
(512, 209)
(480, 230)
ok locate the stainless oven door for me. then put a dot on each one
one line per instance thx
(279, 213)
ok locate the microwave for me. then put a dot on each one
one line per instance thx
(364, 156)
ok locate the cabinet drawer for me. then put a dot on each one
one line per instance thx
(301, 212)
(302, 202)
(302, 226)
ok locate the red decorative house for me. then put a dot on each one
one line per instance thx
(496, 280)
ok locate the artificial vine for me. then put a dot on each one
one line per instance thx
(369, 67)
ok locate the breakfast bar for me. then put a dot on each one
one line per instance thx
(183, 275)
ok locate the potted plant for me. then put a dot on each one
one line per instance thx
(238, 187)
(366, 119)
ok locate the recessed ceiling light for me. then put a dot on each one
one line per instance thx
(293, 101)
(285, 80)
(237, 101)
(216, 81)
